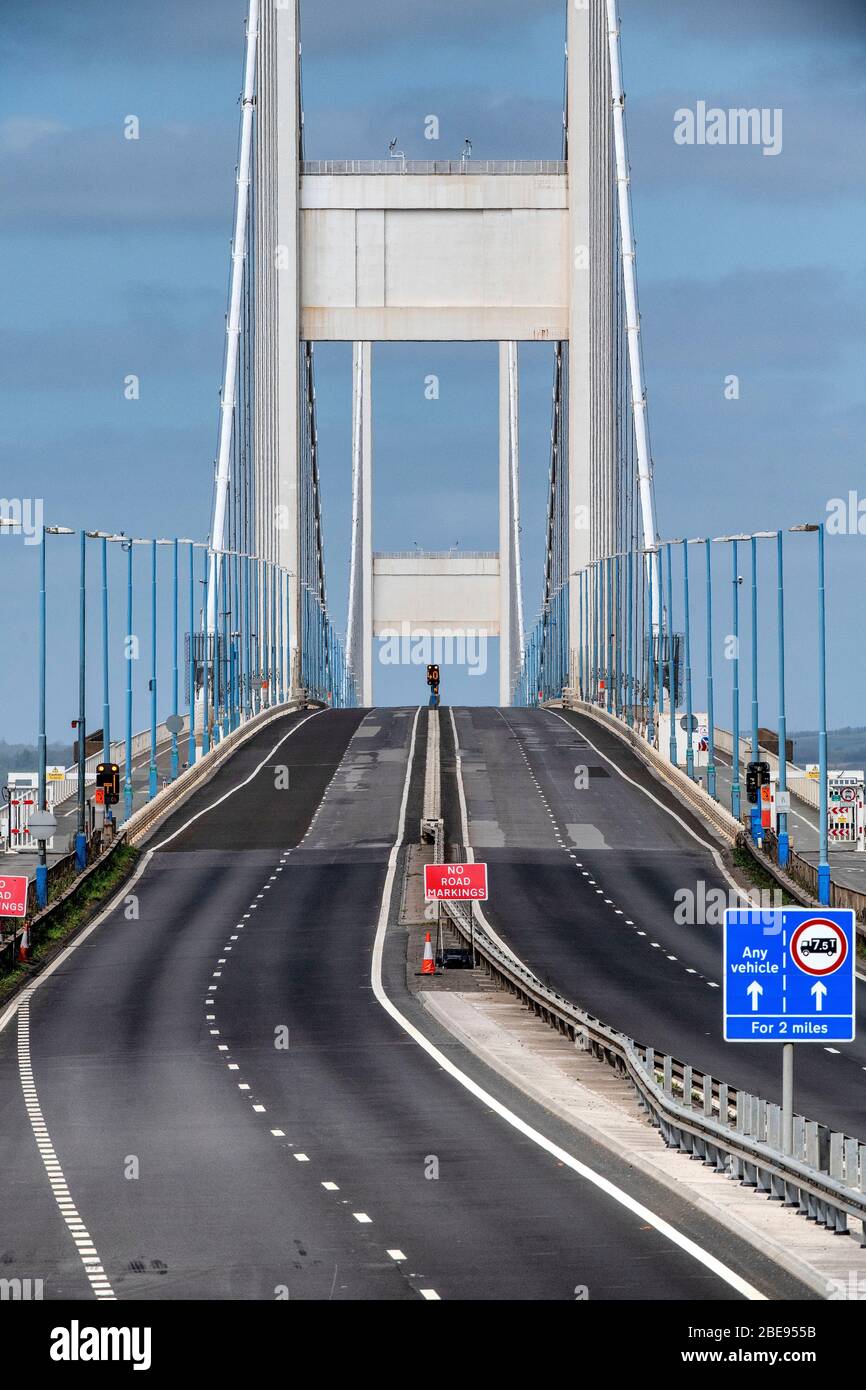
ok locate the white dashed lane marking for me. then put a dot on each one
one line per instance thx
(328, 1185)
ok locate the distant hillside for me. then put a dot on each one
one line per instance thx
(845, 747)
(21, 757)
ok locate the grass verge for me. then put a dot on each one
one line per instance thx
(78, 909)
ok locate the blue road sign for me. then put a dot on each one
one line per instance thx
(789, 975)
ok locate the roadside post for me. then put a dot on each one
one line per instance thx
(789, 977)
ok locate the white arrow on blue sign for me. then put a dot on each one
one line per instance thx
(789, 975)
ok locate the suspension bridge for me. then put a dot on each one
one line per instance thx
(278, 807)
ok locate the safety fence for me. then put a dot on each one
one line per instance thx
(399, 165)
(62, 877)
(736, 1133)
(799, 876)
(58, 790)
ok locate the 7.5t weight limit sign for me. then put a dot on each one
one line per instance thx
(455, 882)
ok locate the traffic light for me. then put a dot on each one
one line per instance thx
(757, 776)
(108, 782)
(433, 676)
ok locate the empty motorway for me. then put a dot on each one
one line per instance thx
(226, 1090)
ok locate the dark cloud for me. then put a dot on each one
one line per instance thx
(748, 23)
(823, 129)
(802, 320)
(157, 332)
(157, 30)
(62, 179)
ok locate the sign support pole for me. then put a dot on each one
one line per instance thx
(787, 1098)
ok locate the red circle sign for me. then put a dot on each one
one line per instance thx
(818, 946)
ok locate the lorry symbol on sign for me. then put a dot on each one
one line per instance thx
(820, 945)
(818, 937)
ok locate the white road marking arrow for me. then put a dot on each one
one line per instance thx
(819, 989)
(755, 990)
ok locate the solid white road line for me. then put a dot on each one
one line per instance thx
(664, 1228)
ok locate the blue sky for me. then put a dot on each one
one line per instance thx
(116, 257)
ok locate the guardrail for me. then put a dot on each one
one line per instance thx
(144, 820)
(800, 878)
(736, 1133)
(67, 788)
(64, 879)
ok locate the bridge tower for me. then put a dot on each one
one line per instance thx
(466, 250)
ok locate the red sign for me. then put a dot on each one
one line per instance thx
(819, 947)
(455, 881)
(13, 897)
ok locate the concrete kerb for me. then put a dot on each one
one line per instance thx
(142, 822)
(720, 820)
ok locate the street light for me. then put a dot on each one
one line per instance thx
(42, 741)
(711, 730)
(823, 846)
(128, 543)
(650, 728)
(734, 541)
(755, 537)
(672, 694)
(690, 752)
(104, 537)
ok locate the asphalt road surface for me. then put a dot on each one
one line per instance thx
(207, 1099)
(584, 881)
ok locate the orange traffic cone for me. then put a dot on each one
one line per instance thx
(24, 944)
(428, 965)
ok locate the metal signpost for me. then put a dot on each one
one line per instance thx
(789, 977)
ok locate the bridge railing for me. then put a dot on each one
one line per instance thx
(737, 1133)
(433, 166)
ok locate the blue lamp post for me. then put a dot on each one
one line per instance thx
(783, 839)
(672, 693)
(650, 728)
(756, 809)
(735, 693)
(81, 827)
(174, 656)
(191, 657)
(711, 714)
(690, 752)
(206, 639)
(629, 634)
(152, 777)
(104, 537)
(42, 738)
(823, 843)
(128, 543)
